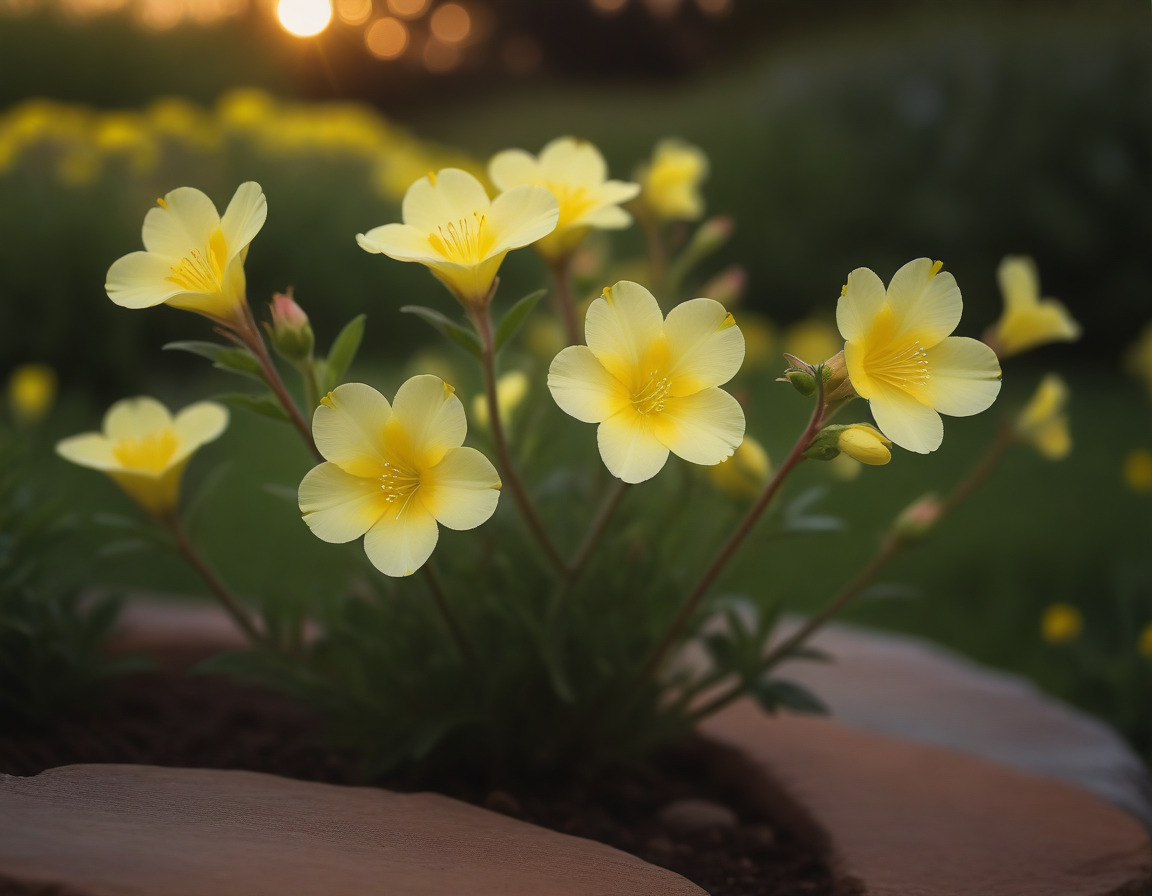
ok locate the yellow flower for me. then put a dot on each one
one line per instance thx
(144, 449)
(511, 390)
(864, 443)
(394, 471)
(1028, 321)
(1138, 358)
(576, 173)
(670, 183)
(745, 473)
(1043, 423)
(452, 227)
(902, 360)
(651, 383)
(1061, 624)
(193, 258)
(1138, 470)
(1144, 645)
(31, 391)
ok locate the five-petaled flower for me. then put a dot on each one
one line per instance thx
(193, 258)
(452, 227)
(145, 449)
(1028, 321)
(671, 181)
(394, 471)
(651, 383)
(901, 358)
(1044, 422)
(576, 173)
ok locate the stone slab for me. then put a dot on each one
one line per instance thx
(120, 830)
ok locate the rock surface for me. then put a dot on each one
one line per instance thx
(109, 830)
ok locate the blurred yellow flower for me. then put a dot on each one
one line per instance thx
(865, 443)
(394, 471)
(576, 173)
(813, 340)
(1144, 644)
(1138, 470)
(760, 340)
(1043, 423)
(193, 258)
(1138, 358)
(511, 390)
(1061, 624)
(651, 383)
(31, 391)
(745, 473)
(670, 182)
(1028, 321)
(144, 449)
(452, 227)
(901, 359)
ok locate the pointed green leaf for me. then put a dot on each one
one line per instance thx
(445, 326)
(779, 693)
(265, 405)
(224, 357)
(343, 352)
(511, 323)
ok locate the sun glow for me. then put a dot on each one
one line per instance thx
(304, 18)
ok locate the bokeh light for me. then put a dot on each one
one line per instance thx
(386, 38)
(354, 12)
(407, 9)
(304, 18)
(451, 23)
(608, 6)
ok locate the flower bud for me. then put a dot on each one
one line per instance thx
(1061, 623)
(801, 380)
(290, 331)
(865, 443)
(31, 391)
(727, 287)
(917, 519)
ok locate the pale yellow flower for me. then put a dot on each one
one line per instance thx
(1061, 624)
(193, 258)
(511, 390)
(144, 449)
(1043, 423)
(1138, 470)
(1028, 321)
(745, 473)
(453, 228)
(31, 391)
(394, 471)
(575, 172)
(901, 359)
(864, 443)
(1144, 644)
(651, 383)
(670, 182)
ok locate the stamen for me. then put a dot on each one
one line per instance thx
(195, 273)
(901, 366)
(399, 485)
(460, 241)
(650, 399)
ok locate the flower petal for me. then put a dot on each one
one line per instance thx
(521, 216)
(863, 297)
(606, 217)
(400, 543)
(965, 377)
(573, 161)
(400, 241)
(462, 490)
(443, 197)
(244, 217)
(427, 420)
(338, 506)
(621, 327)
(705, 347)
(512, 167)
(907, 422)
(135, 418)
(140, 280)
(1019, 282)
(349, 428)
(583, 388)
(925, 305)
(1029, 326)
(198, 424)
(629, 448)
(89, 449)
(184, 222)
(704, 428)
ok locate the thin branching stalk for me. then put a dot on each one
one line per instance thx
(454, 628)
(596, 529)
(565, 302)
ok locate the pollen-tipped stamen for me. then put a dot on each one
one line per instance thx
(901, 366)
(399, 485)
(650, 399)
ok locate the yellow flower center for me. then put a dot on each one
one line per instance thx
(464, 242)
(898, 365)
(399, 482)
(650, 399)
(573, 202)
(151, 452)
(202, 271)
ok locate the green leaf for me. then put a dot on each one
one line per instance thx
(343, 352)
(511, 323)
(779, 693)
(720, 648)
(264, 405)
(224, 357)
(445, 326)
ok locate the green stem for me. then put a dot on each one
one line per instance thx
(596, 529)
(657, 253)
(457, 633)
(565, 304)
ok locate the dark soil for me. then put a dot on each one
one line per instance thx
(209, 722)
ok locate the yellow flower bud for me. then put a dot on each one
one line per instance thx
(31, 391)
(745, 473)
(865, 443)
(511, 390)
(1061, 624)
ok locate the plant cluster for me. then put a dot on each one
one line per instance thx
(561, 625)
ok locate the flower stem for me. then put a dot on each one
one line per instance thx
(657, 253)
(437, 589)
(565, 304)
(596, 529)
(483, 322)
(692, 602)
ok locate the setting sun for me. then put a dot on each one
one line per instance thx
(304, 18)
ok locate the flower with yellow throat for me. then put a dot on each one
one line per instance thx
(145, 449)
(458, 233)
(1028, 321)
(575, 172)
(1044, 423)
(670, 182)
(652, 383)
(901, 358)
(394, 471)
(193, 258)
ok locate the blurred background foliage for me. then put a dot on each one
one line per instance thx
(839, 136)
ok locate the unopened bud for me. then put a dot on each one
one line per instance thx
(917, 519)
(291, 332)
(801, 380)
(727, 287)
(31, 391)
(838, 388)
(865, 443)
